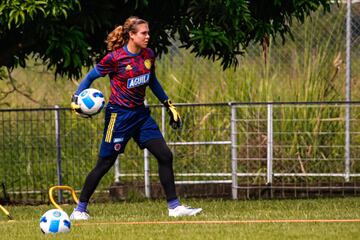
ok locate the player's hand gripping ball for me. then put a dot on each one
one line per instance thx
(55, 221)
(89, 102)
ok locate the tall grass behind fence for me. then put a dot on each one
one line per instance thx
(29, 152)
(28, 148)
(308, 150)
(201, 123)
(307, 139)
(304, 137)
(29, 160)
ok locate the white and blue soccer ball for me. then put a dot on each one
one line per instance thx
(55, 221)
(91, 101)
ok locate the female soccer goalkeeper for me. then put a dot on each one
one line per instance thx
(131, 68)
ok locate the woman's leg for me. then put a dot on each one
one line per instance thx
(92, 180)
(161, 151)
(108, 153)
(163, 154)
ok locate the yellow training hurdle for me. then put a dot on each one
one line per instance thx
(68, 188)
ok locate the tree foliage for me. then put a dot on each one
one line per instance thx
(67, 35)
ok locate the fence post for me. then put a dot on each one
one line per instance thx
(269, 171)
(234, 184)
(163, 121)
(58, 150)
(117, 169)
(147, 174)
(348, 91)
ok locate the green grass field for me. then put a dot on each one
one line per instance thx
(221, 219)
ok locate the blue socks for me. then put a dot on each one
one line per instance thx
(81, 207)
(173, 203)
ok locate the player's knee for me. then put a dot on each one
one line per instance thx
(166, 157)
(105, 163)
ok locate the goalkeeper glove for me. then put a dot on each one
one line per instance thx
(175, 120)
(76, 108)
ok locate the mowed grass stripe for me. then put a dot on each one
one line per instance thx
(84, 223)
(222, 222)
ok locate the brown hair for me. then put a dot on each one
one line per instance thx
(120, 35)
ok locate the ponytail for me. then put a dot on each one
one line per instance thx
(115, 39)
(120, 35)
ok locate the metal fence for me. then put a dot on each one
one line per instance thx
(294, 149)
(257, 149)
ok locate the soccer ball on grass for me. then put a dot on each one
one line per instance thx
(55, 221)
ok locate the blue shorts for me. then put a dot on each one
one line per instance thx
(121, 124)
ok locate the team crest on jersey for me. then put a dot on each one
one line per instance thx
(117, 147)
(147, 63)
(128, 67)
(138, 81)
